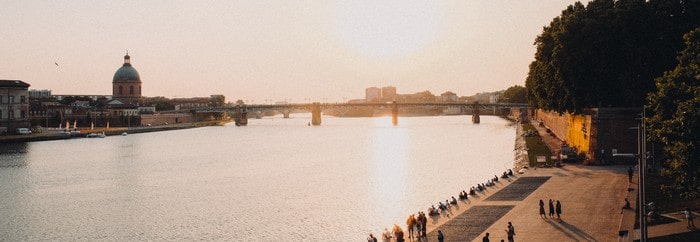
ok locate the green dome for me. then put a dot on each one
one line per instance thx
(126, 73)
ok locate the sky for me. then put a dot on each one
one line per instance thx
(264, 51)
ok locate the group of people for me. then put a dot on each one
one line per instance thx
(552, 209)
(418, 223)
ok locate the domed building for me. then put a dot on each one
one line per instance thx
(126, 84)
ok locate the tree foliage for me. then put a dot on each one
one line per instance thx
(607, 54)
(161, 103)
(515, 94)
(675, 120)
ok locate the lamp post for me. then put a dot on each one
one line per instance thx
(641, 158)
(642, 149)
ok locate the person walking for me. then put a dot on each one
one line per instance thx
(630, 172)
(551, 208)
(510, 231)
(411, 222)
(486, 238)
(440, 237)
(689, 216)
(558, 210)
(542, 215)
(371, 238)
(386, 236)
(398, 233)
(424, 224)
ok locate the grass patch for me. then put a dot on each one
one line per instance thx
(536, 147)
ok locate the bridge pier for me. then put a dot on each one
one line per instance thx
(316, 114)
(241, 117)
(394, 113)
(285, 113)
(475, 113)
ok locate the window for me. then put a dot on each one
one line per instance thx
(11, 99)
(22, 114)
(22, 99)
(10, 114)
(131, 90)
(121, 90)
(0, 98)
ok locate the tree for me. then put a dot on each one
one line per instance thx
(607, 54)
(515, 94)
(217, 100)
(161, 103)
(675, 120)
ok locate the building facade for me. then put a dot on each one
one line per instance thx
(14, 105)
(389, 94)
(44, 93)
(598, 133)
(126, 84)
(373, 94)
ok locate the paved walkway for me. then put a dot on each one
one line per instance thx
(592, 198)
(587, 194)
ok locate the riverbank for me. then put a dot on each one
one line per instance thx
(58, 135)
(587, 193)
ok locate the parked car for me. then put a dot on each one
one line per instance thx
(24, 131)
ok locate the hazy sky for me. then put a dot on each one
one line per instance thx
(273, 50)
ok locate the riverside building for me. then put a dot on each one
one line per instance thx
(14, 105)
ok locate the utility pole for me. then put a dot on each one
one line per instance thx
(642, 175)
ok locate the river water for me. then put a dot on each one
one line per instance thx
(274, 180)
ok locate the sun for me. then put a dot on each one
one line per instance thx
(387, 29)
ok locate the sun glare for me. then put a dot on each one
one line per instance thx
(387, 29)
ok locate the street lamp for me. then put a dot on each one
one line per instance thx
(642, 159)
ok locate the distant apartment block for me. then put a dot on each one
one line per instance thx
(449, 97)
(189, 103)
(494, 98)
(92, 97)
(44, 93)
(389, 93)
(373, 94)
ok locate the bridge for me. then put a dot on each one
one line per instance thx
(240, 113)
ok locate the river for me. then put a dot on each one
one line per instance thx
(274, 180)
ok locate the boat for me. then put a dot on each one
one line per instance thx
(124, 134)
(96, 135)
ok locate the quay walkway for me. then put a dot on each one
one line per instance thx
(591, 198)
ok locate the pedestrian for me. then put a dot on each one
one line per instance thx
(424, 224)
(411, 222)
(558, 210)
(510, 231)
(419, 227)
(689, 216)
(486, 238)
(551, 208)
(630, 172)
(386, 236)
(440, 237)
(371, 238)
(398, 233)
(542, 209)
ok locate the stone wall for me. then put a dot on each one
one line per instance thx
(161, 119)
(598, 133)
